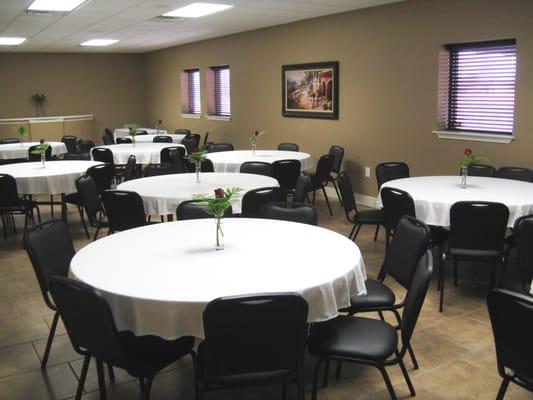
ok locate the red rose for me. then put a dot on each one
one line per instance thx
(256, 133)
(196, 149)
(468, 152)
(219, 193)
(41, 141)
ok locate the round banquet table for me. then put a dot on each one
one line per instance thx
(150, 138)
(14, 151)
(146, 153)
(121, 132)
(162, 283)
(162, 194)
(435, 195)
(230, 161)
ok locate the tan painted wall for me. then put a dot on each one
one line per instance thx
(109, 86)
(388, 82)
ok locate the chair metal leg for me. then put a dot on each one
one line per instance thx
(387, 381)
(412, 355)
(352, 232)
(197, 394)
(338, 370)
(83, 376)
(325, 382)
(52, 206)
(50, 340)
(96, 234)
(284, 390)
(111, 373)
(357, 232)
(80, 210)
(455, 271)
(101, 379)
(337, 191)
(406, 376)
(300, 386)
(376, 234)
(442, 278)
(315, 379)
(327, 200)
(148, 388)
(503, 389)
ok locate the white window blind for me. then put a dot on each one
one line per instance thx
(481, 87)
(222, 91)
(193, 80)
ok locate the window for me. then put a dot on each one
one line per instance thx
(219, 93)
(477, 93)
(190, 92)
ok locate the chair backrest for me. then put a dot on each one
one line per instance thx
(256, 167)
(510, 315)
(85, 146)
(323, 169)
(254, 200)
(172, 155)
(523, 229)
(182, 132)
(124, 209)
(296, 212)
(162, 139)
(190, 143)
(396, 204)
(206, 166)
(286, 172)
(337, 152)
(288, 147)
(158, 169)
(50, 249)
(302, 185)
(102, 175)
(346, 190)
(414, 298)
(9, 195)
(515, 173)
(216, 147)
(9, 140)
(481, 170)
(71, 143)
(407, 246)
(90, 198)
(254, 335)
(124, 140)
(479, 226)
(87, 319)
(388, 171)
(108, 137)
(191, 209)
(103, 155)
(131, 169)
(37, 157)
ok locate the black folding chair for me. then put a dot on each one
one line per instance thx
(296, 212)
(254, 200)
(256, 167)
(124, 210)
(288, 147)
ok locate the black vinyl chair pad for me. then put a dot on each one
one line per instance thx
(150, 354)
(378, 296)
(371, 217)
(248, 378)
(353, 337)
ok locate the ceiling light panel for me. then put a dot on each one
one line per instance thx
(196, 10)
(11, 41)
(99, 42)
(55, 5)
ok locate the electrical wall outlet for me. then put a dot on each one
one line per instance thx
(367, 172)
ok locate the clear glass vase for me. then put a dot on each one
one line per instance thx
(254, 147)
(464, 175)
(219, 241)
(198, 168)
(43, 160)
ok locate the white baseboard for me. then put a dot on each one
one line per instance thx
(362, 199)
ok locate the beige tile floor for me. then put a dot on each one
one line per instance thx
(455, 349)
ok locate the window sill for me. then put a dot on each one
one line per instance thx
(192, 116)
(218, 118)
(479, 137)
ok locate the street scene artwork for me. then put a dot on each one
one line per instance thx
(311, 90)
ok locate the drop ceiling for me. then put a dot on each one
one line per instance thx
(136, 25)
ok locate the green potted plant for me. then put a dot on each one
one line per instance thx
(132, 131)
(253, 139)
(21, 132)
(197, 156)
(468, 159)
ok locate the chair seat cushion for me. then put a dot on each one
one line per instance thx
(378, 296)
(149, 354)
(372, 217)
(353, 337)
(73, 198)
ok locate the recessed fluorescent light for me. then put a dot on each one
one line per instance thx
(55, 5)
(11, 41)
(99, 42)
(196, 10)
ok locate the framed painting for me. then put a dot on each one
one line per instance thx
(311, 90)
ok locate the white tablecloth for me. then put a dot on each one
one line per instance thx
(150, 138)
(13, 151)
(166, 273)
(162, 194)
(57, 177)
(119, 132)
(434, 195)
(230, 161)
(146, 153)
